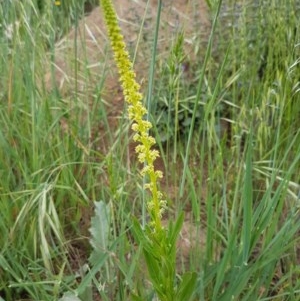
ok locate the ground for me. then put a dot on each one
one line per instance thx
(94, 59)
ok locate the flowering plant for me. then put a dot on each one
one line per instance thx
(159, 243)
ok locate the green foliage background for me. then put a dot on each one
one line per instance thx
(240, 189)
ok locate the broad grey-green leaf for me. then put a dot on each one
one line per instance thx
(100, 227)
(69, 297)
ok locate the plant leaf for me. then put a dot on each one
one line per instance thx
(186, 287)
(175, 230)
(100, 227)
(69, 297)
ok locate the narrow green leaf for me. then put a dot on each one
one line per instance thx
(174, 231)
(186, 287)
(153, 267)
(142, 238)
(247, 200)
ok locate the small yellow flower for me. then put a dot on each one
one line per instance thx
(136, 113)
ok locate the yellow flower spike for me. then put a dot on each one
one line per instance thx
(136, 113)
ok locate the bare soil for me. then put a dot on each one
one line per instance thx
(83, 58)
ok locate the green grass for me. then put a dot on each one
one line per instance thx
(239, 189)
